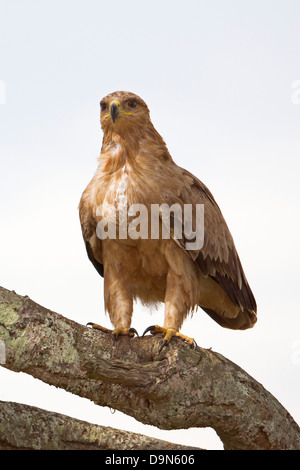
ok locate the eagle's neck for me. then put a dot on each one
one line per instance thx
(118, 149)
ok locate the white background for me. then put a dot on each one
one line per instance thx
(218, 78)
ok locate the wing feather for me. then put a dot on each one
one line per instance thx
(218, 258)
(88, 227)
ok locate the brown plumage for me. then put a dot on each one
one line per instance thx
(135, 167)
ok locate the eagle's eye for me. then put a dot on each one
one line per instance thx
(103, 106)
(132, 103)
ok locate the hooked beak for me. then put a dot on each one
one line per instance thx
(114, 110)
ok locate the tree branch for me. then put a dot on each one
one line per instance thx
(26, 427)
(177, 388)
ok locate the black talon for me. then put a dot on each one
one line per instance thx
(133, 330)
(163, 344)
(150, 328)
(194, 345)
(90, 323)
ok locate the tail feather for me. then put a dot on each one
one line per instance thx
(244, 320)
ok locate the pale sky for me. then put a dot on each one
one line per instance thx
(218, 78)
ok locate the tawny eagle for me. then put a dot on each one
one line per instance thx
(135, 167)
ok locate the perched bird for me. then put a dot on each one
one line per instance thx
(136, 168)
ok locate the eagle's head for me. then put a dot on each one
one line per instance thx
(123, 112)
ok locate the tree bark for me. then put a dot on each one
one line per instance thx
(176, 388)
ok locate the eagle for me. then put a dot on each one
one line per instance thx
(135, 169)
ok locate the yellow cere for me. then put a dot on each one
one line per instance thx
(117, 103)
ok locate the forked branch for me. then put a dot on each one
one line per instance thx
(176, 388)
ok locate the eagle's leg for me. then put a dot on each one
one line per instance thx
(119, 304)
(178, 299)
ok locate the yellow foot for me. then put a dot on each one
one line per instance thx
(169, 333)
(116, 332)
